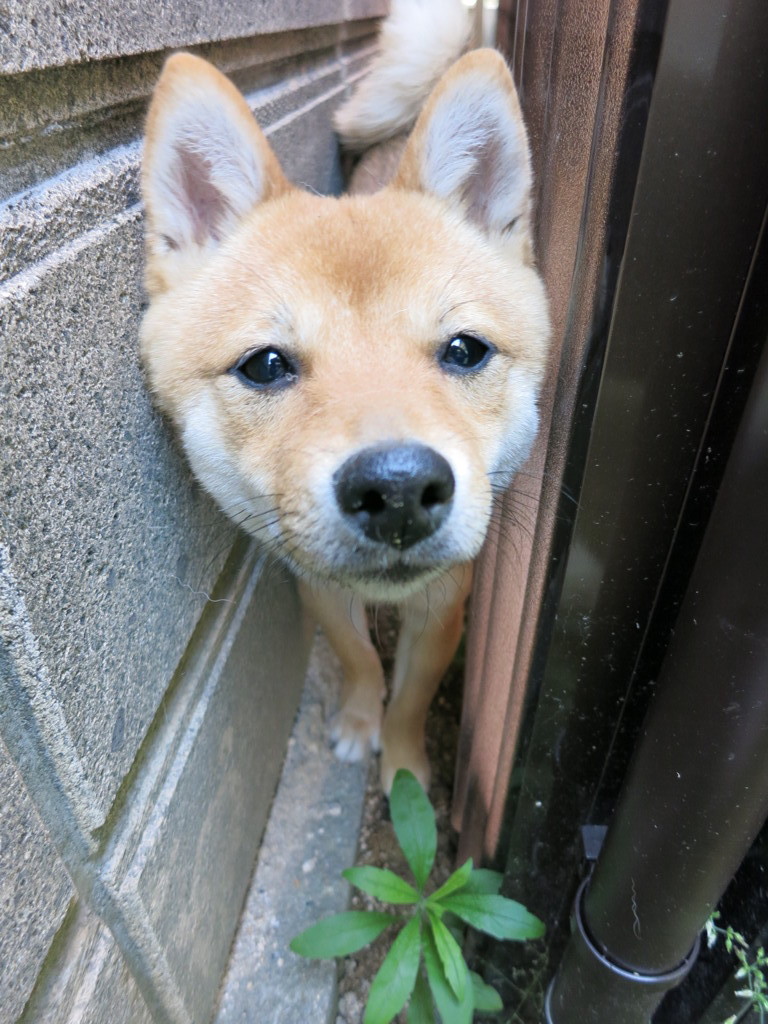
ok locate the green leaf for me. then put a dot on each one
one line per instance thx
(495, 915)
(414, 822)
(449, 951)
(451, 1010)
(483, 882)
(457, 880)
(382, 883)
(341, 934)
(396, 977)
(486, 998)
(421, 1009)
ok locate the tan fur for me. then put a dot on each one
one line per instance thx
(360, 292)
(377, 167)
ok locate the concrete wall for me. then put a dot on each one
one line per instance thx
(142, 725)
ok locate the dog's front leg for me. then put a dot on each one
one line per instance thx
(431, 627)
(357, 725)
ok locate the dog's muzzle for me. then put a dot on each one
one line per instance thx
(395, 494)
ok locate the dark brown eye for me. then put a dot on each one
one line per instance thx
(266, 368)
(465, 353)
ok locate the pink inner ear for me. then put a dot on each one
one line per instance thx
(482, 185)
(206, 206)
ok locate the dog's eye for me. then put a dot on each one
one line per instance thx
(266, 367)
(464, 353)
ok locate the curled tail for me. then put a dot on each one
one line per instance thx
(418, 41)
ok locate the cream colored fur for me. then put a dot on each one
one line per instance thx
(354, 303)
(418, 42)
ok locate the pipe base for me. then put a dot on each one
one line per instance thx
(590, 989)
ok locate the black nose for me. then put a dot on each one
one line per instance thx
(397, 494)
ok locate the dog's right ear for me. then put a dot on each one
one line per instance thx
(469, 148)
(206, 164)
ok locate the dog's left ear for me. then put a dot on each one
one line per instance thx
(469, 147)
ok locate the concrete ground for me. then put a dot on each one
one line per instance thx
(311, 838)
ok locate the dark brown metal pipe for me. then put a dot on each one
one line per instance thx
(697, 791)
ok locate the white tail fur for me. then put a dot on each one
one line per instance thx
(419, 40)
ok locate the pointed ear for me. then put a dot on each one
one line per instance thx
(469, 147)
(206, 164)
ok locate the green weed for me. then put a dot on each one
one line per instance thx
(751, 971)
(425, 967)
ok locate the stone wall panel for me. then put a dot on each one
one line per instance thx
(145, 723)
(35, 891)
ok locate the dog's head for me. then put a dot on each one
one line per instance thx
(352, 379)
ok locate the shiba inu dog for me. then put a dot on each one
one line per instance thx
(354, 379)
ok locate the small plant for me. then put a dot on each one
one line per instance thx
(424, 967)
(752, 971)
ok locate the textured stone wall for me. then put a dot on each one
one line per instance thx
(142, 725)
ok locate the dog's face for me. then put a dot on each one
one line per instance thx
(351, 378)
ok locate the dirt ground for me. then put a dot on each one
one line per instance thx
(521, 985)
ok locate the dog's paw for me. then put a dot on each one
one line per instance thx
(354, 734)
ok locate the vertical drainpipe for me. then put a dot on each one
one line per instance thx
(696, 793)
